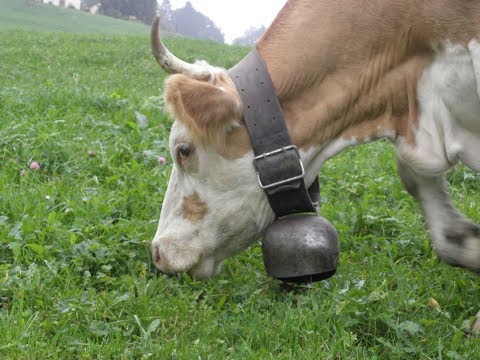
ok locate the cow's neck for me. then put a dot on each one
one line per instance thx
(344, 72)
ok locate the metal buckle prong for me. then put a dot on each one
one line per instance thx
(275, 152)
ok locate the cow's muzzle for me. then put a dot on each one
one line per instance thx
(173, 259)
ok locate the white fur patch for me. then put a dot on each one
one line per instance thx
(448, 132)
(449, 123)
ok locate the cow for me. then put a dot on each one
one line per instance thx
(346, 72)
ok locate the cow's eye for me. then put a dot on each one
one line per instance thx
(184, 151)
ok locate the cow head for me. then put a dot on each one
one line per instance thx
(213, 207)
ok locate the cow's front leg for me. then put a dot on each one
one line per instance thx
(455, 238)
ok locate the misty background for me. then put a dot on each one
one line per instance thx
(240, 26)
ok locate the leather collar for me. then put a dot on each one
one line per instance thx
(277, 161)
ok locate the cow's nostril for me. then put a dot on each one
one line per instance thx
(157, 257)
(161, 260)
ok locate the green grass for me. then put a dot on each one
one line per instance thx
(30, 15)
(76, 280)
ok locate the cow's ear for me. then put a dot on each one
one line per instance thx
(209, 109)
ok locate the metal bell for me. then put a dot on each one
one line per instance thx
(301, 249)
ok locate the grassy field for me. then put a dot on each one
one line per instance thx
(30, 15)
(76, 280)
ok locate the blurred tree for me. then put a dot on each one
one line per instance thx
(114, 8)
(250, 36)
(165, 10)
(89, 3)
(190, 22)
(143, 10)
(166, 16)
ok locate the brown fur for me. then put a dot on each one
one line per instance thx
(344, 68)
(206, 108)
(359, 72)
(193, 208)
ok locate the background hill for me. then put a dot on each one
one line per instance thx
(29, 15)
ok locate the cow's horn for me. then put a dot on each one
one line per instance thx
(169, 62)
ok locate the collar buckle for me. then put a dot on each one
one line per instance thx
(280, 151)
